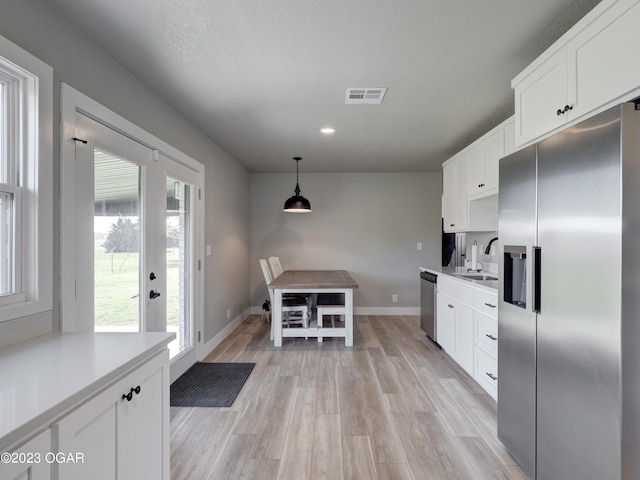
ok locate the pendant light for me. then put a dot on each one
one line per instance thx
(297, 203)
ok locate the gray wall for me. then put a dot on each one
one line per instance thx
(374, 236)
(367, 223)
(77, 61)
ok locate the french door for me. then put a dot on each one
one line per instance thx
(135, 238)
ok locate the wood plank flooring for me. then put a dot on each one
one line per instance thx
(391, 407)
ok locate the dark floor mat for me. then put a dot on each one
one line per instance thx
(210, 384)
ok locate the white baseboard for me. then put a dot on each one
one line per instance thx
(208, 347)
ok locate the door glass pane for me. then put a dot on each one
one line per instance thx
(116, 244)
(178, 222)
(6, 243)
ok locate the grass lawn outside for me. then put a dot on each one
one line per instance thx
(117, 291)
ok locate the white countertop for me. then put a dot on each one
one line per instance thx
(44, 377)
(489, 285)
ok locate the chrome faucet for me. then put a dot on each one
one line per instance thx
(488, 249)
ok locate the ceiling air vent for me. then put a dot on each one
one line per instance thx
(361, 96)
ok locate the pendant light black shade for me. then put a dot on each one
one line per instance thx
(297, 203)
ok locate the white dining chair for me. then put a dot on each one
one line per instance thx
(276, 271)
(276, 267)
(329, 304)
(295, 310)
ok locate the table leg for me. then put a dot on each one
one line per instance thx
(348, 317)
(276, 317)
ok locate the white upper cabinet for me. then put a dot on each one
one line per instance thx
(587, 70)
(470, 181)
(482, 166)
(454, 197)
(602, 62)
(539, 96)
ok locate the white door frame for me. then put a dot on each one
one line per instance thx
(72, 101)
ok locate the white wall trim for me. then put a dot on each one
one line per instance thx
(208, 347)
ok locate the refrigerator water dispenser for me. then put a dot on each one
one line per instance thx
(515, 275)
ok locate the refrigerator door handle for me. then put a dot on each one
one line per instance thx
(537, 293)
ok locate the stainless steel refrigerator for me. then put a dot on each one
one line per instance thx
(569, 311)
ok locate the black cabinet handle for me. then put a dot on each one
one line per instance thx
(129, 396)
(491, 376)
(452, 224)
(564, 110)
(490, 336)
(449, 305)
(153, 294)
(490, 305)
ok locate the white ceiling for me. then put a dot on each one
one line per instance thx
(262, 77)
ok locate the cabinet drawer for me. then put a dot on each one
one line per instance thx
(486, 302)
(455, 289)
(486, 332)
(486, 372)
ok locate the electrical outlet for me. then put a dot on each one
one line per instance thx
(394, 298)
(228, 313)
(419, 245)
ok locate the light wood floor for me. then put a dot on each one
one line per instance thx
(391, 407)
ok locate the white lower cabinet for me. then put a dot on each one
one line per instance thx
(120, 433)
(485, 318)
(30, 461)
(455, 331)
(486, 371)
(468, 329)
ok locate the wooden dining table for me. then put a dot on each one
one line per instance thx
(313, 282)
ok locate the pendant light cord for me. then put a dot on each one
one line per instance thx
(297, 190)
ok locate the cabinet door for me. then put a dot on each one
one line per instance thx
(465, 338)
(494, 152)
(454, 196)
(477, 169)
(460, 193)
(539, 96)
(91, 431)
(35, 450)
(482, 164)
(446, 324)
(143, 422)
(601, 58)
(120, 433)
(448, 197)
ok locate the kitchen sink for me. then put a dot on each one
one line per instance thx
(475, 276)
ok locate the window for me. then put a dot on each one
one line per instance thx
(26, 228)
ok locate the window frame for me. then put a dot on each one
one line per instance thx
(29, 178)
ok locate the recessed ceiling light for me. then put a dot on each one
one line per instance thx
(328, 130)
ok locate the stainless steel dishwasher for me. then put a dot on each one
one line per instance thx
(428, 312)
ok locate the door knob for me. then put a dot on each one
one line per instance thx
(153, 294)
